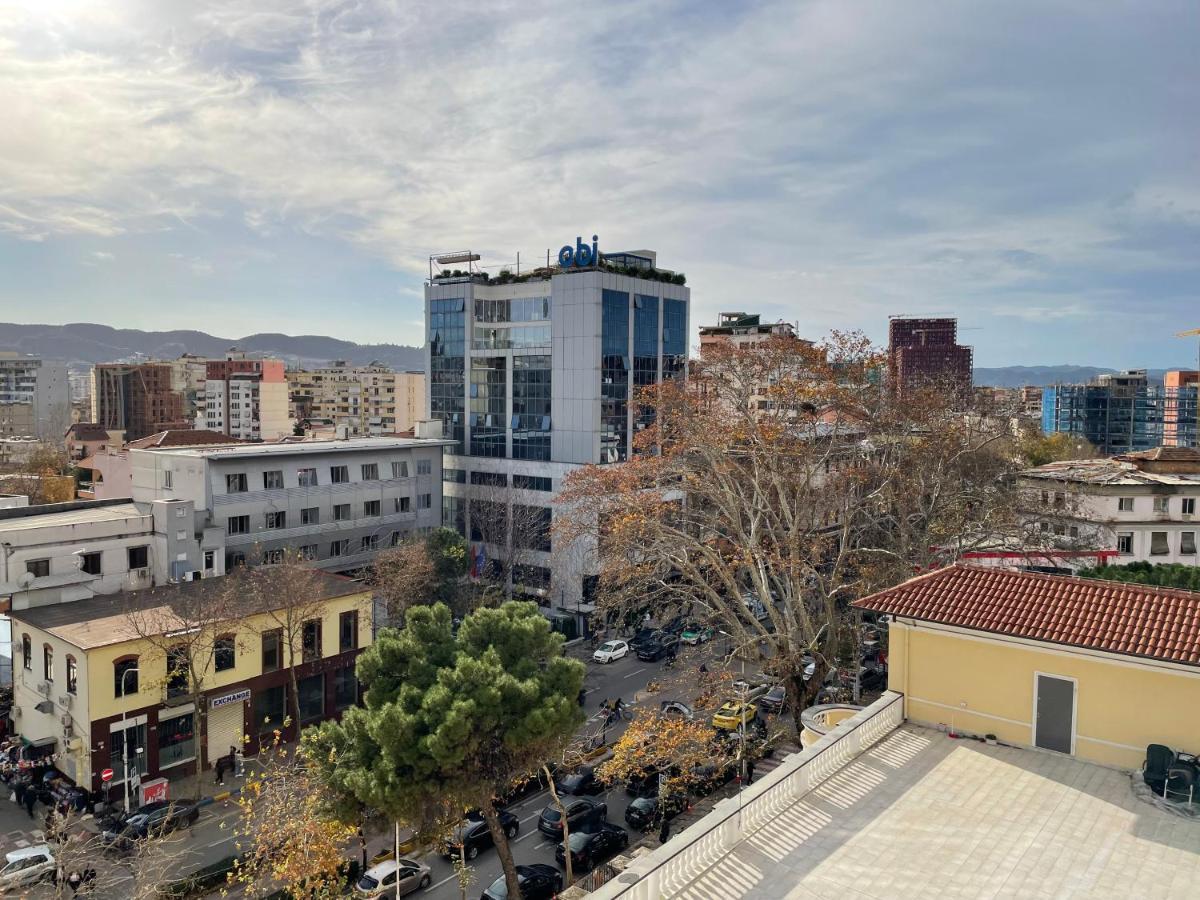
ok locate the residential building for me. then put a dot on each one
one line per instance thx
(1062, 682)
(1143, 505)
(245, 398)
(534, 377)
(742, 329)
(35, 397)
(1031, 402)
(1122, 412)
(926, 353)
(138, 399)
(364, 399)
(336, 502)
(94, 682)
(111, 472)
(84, 439)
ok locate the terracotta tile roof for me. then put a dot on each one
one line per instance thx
(1131, 619)
(88, 431)
(182, 437)
(1171, 454)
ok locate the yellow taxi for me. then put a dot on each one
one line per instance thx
(730, 716)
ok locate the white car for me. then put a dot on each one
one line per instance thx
(610, 650)
(413, 875)
(26, 866)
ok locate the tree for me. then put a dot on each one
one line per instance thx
(1037, 449)
(451, 719)
(512, 531)
(421, 572)
(779, 484)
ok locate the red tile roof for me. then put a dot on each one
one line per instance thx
(1131, 619)
(88, 431)
(182, 437)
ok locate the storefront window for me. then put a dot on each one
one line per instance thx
(134, 741)
(269, 708)
(176, 740)
(345, 688)
(312, 698)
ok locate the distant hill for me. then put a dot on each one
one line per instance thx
(1040, 376)
(84, 342)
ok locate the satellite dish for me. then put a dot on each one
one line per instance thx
(25, 579)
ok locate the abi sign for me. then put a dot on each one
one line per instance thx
(580, 255)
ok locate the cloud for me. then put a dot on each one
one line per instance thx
(821, 161)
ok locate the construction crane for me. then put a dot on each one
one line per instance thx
(1192, 333)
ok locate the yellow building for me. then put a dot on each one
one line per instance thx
(366, 399)
(80, 667)
(1094, 669)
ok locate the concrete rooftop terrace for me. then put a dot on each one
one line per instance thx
(922, 815)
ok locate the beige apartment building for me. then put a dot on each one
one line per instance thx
(370, 399)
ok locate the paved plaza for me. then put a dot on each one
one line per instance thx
(923, 815)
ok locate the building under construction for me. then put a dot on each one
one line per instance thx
(137, 399)
(925, 353)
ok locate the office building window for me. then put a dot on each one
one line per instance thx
(368, 543)
(310, 515)
(308, 551)
(237, 525)
(236, 484)
(424, 501)
(272, 649)
(38, 568)
(402, 504)
(348, 631)
(645, 356)
(341, 512)
(233, 559)
(139, 557)
(534, 534)
(447, 352)
(400, 469)
(1125, 504)
(176, 739)
(532, 483)
(90, 563)
(312, 698)
(276, 520)
(339, 474)
(1188, 506)
(311, 640)
(210, 558)
(488, 400)
(370, 472)
(1162, 504)
(454, 476)
(371, 508)
(454, 513)
(345, 688)
(339, 548)
(1125, 542)
(614, 377)
(1158, 543)
(273, 481)
(1187, 543)
(674, 321)
(490, 479)
(306, 477)
(531, 408)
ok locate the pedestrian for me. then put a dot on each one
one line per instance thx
(18, 793)
(30, 800)
(749, 771)
(664, 831)
(220, 767)
(233, 753)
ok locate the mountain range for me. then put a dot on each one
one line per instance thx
(1041, 376)
(85, 343)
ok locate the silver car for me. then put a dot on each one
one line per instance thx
(381, 879)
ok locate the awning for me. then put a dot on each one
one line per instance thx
(39, 743)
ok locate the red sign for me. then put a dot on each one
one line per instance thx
(153, 791)
(106, 776)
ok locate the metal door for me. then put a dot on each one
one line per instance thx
(224, 730)
(1054, 716)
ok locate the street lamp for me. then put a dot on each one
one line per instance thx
(125, 737)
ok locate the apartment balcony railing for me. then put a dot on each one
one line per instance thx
(672, 867)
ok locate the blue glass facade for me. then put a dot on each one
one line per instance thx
(447, 350)
(674, 331)
(614, 377)
(645, 354)
(1122, 420)
(531, 407)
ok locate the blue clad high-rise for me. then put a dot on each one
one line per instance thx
(537, 374)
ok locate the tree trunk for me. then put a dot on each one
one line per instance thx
(295, 682)
(566, 829)
(500, 839)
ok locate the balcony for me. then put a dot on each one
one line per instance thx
(880, 808)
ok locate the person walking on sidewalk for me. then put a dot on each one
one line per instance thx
(30, 800)
(664, 831)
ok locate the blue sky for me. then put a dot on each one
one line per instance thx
(269, 165)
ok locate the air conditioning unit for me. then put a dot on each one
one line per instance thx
(44, 688)
(140, 574)
(65, 720)
(15, 712)
(66, 701)
(75, 744)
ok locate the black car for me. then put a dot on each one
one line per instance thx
(591, 847)
(581, 781)
(580, 810)
(675, 626)
(155, 818)
(710, 777)
(472, 835)
(774, 700)
(538, 882)
(663, 644)
(642, 636)
(642, 813)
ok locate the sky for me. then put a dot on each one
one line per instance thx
(289, 165)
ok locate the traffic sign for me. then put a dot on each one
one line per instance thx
(106, 776)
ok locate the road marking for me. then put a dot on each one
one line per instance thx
(637, 672)
(221, 841)
(527, 818)
(541, 845)
(525, 835)
(434, 887)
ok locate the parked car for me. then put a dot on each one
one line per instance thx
(642, 813)
(663, 644)
(591, 847)
(676, 708)
(412, 875)
(643, 784)
(641, 636)
(26, 866)
(579, 811)
(774, 700)
(711, 777)
(873, 677)
(697, 634)
(610, 651)
(582, 781)
(538, 882)
(731, 715)
(529, 784)
(751, 689)
(473, 835)
(675, 625)
(155, 818)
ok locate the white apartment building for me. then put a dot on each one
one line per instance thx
(533, 377)
(245, 398)
(1143, 505)
(336, 502)
(35, 397)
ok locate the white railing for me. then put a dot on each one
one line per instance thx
(672, 867)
